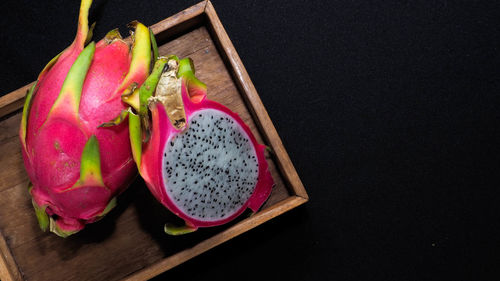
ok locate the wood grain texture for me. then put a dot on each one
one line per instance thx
(13, 100)
(135, 228)
(179, 22)
(8, 267)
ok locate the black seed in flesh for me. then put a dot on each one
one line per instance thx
(212, 166)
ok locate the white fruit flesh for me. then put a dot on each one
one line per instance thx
(211, 168)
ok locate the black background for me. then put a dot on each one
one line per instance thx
(389, 111)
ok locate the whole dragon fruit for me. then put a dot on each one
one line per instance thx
(200, 159)
(77, 168)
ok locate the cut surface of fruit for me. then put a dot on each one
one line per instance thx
(211, 168)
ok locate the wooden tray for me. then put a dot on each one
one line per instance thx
(129, 243)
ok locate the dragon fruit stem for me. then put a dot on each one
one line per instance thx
(83, 23)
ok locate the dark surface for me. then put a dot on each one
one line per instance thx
(389, 112)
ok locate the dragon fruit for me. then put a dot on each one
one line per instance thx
(76, 167)
(199, 159)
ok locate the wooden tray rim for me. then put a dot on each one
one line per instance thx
(15, 100)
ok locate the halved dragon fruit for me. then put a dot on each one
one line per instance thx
(201, 160)
(76, 167)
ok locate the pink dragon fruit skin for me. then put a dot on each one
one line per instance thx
(76, 167)
(165, 178)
